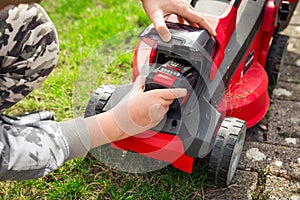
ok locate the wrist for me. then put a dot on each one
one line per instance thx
(110, 127)
(103, 129)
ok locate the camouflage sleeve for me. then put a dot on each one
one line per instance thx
(33, 150)
(28, 53)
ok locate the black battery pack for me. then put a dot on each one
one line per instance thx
(173, 74)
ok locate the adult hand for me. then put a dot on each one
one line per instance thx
(158, 9)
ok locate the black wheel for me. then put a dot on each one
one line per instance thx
(226, 153)
(275, 59)
(98, 100)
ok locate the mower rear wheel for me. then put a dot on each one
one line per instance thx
(226, 153)
(275, 58)
(98, 100)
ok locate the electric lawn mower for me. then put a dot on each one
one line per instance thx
(227, 79)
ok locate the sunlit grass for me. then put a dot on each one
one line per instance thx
(83, 27)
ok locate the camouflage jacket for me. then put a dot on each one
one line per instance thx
(28, 53)
(33, 150)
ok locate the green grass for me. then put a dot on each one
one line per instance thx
(86, 29)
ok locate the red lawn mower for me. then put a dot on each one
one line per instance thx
(227, 78)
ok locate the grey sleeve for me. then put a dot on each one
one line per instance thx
(33, 150)
(78, 138)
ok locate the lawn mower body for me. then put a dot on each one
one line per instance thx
(225, 77)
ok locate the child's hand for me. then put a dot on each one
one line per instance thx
(137, 112)
(140, 111)
(158, 9)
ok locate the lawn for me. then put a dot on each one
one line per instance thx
(97, 38)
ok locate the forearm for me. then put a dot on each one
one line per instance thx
(103, 129)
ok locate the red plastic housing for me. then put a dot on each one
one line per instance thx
(246, 96)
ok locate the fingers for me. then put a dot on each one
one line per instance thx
(195, 18)
(180, 19)
(158, 9)
(204, 24)
(160, 26)
(192, 17)
(170, 94)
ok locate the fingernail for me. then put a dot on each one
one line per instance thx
(166, 37)
(182, 92)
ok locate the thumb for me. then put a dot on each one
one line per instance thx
(139, 83)
(171, 94)
(163, 32)
(160, 26)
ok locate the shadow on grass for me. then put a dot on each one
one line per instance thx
(166, 183)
